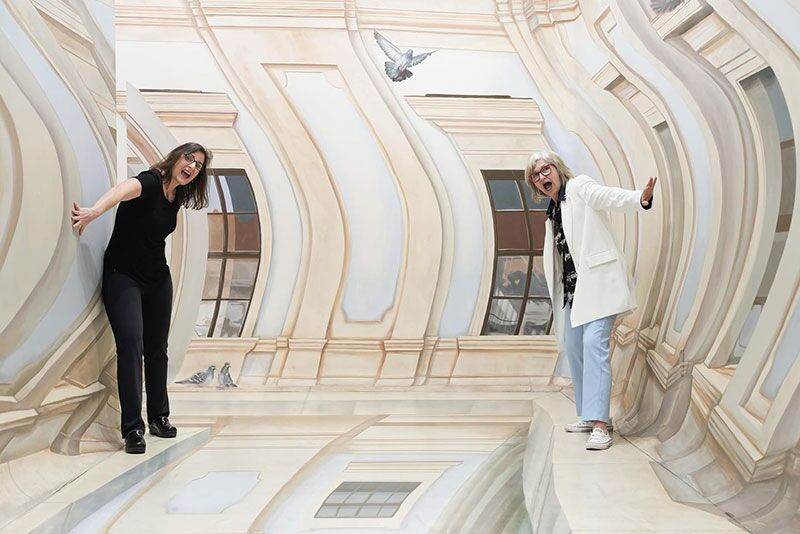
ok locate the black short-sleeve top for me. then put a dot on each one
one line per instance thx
(141, 227)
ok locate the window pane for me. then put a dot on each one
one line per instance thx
(358, 497)
(215, 232)
(505, 195)
(379, 497)
(788, 163)
(775, 256)
(240, 276)
(230, 318)
(327, 511)
(369, 511)
(388, 511)
(512, 230)
(747, 332)
(347, 511)
(503, 316)
(530, 198)
(243, 233)
(510, 275)
(397, 498)
(214, 204)
(536, 220)
(213, 270)
(337, 497)
(238, 193)
(536, 317)
(204, 316)
(538, 287)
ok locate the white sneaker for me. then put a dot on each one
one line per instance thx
(598, 440)
(584, 426)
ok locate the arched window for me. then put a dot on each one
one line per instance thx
(520, 302)
(234, 249)
(767, 99)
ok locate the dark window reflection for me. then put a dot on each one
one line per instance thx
(234, 248)
(520, 302)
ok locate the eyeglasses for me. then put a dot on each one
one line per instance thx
(190, 158)
(544, 171)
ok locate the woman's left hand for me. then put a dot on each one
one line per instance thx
(647, 194)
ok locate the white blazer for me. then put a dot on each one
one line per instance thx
(604, 285)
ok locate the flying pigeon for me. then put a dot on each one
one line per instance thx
(663, 6)
(225, 380)
(200, 377)
(397, 68)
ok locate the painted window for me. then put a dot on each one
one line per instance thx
(366, 499)
(234, 248)
(769, 105)
(520, 302)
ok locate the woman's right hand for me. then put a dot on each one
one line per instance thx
(82, 216)
(647, 194)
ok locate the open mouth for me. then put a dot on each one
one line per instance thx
(547, 185)
(186, 173)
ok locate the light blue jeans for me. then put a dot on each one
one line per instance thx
(587, 352)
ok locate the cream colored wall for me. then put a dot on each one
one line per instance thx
(673, 378)
(56, 146)
(262, 68)
(621, 92)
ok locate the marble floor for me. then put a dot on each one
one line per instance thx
(326, 461)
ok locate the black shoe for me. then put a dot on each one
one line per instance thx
(161, 427)
(134, 442)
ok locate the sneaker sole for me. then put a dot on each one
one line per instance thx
(584, 430)
(598, 446)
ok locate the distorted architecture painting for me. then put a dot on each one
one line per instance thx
(364, 323)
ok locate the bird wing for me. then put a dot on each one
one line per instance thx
(416, 60)
(196, 378)
(663, 6)
(388, 48)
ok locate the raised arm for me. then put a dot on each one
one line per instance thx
(606, 198)
(125, 190)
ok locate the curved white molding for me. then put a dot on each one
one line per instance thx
(370, 62)
(697, 148)
(782, 17)
(374, 220)
(81, 283)
(10, 179)
(38, 202)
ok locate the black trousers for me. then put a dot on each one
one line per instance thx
(139, 315)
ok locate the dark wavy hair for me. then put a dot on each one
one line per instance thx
(193, 195)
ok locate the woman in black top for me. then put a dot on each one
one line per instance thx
(137, 287)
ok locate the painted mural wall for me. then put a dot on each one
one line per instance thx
(57, 146)
(369, 225)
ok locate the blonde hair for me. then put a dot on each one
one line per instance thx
(548, 156)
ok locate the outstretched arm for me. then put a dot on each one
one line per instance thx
(125, 190)
(605, 198)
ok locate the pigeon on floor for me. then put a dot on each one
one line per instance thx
(225, 380)
(663, 6)
(200, 377)
(397, 68)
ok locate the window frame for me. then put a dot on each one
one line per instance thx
(225, 255)
(531, 253)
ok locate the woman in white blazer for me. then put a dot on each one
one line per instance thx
(588, 279)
